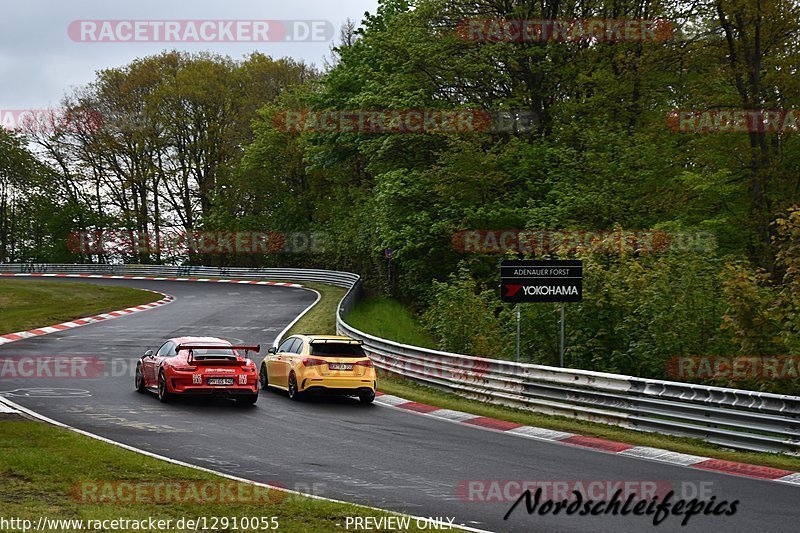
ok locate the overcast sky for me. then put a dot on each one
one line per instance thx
(39, 60)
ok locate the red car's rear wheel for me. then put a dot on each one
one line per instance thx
(139, 379)
(250, 399)
(163, 394)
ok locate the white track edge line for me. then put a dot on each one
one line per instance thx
(298, 317)
(177, 462)
(43, 418)
(789, 479)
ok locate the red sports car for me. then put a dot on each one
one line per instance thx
(199, 366)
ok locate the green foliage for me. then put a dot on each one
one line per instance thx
(462, 318)
(389, 319)
(637, 314)
(194, 141)
(37, 209)
(787, 304)
(764, 312)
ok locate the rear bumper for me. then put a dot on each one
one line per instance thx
(341, 385)
(231, 392)
(339, 392)
(184, 383)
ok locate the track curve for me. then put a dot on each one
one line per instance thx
(337, 448)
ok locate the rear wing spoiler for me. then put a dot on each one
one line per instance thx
(256, 348)
(192, 347)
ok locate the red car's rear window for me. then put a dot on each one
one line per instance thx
(216, 352)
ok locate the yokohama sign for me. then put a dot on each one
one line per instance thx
(541, 281)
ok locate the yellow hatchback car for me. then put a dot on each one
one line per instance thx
(319, 364)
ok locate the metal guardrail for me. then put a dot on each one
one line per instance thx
(342, 279)
(735, 418)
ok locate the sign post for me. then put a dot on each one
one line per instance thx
(561, 352)
(518, 322)
(541, 281)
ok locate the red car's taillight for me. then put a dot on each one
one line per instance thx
(313, 362)
(367, 363)
(185, 368)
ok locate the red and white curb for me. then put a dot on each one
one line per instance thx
(11, 337)
(7, 408)
(20, 335)
(152, 278)
(602, 445)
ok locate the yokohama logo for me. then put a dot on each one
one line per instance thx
(549, 290)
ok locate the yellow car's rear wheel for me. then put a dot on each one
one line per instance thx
(367, 397)
(294, 392)
(263, 378)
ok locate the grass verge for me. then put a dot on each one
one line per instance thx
(29, 304)
(321, 319)
(52, 472)
(389, 319)
(420, 393)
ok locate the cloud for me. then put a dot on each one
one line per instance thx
(39, 62)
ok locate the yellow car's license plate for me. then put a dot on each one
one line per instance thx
(340, 366)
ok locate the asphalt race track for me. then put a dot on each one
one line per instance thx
(340, 449)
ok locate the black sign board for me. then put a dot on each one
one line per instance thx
(541, 281)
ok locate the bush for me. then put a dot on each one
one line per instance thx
(462, 318)
(637, 313)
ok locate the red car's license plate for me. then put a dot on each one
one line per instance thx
(220, 381)
(340, 366)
